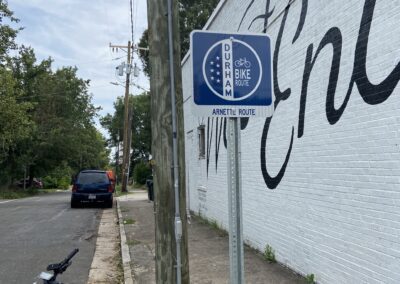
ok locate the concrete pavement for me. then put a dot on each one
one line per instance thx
(208, 250)
(37, 231)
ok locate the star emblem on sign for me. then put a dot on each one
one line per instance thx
(214, 71)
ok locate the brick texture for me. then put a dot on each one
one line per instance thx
(336, 211)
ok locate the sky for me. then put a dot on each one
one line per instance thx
(78, 33)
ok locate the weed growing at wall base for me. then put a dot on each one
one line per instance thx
(310, 279)
(269, 254)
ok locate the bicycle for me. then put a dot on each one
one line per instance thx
(57, 268)
(242, 62)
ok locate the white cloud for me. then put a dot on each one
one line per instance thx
(78, 33)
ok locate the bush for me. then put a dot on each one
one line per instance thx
(141, 172)
(64, 182)
(59, 178)
(49, 182)
(17, 193)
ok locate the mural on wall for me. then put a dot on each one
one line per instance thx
(371, 94)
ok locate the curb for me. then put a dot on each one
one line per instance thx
(126, 258)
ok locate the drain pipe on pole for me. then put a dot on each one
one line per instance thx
(178, 222)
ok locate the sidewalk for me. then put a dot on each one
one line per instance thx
(208, 249)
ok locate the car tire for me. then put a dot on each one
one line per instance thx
(109, 203)
(74, 204)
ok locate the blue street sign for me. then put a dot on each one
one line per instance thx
(232, 74)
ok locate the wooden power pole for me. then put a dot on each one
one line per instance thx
(127, 120)
(166, 168)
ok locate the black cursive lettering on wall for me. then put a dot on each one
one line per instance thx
(371, 93)
(218, 130)
(279, 95)
(273, 182)
(209, 139)
(303, 14)
(334, 37)
(268, 13)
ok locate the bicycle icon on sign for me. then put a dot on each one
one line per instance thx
(242, 62)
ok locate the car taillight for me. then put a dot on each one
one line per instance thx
(110, 188)
(74, 188)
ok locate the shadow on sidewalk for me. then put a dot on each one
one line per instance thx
(208, 250)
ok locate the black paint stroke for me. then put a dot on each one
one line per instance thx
(209, 138)
(286, 93)
(245, 13)
(272, 182)
(217, 140)
(334, 37)
(267, 14)
(225, 128)
(303, 14)
(244, 121)
(371, 94)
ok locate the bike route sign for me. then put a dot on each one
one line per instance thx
(232, 74)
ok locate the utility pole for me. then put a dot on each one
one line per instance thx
(127, 120)
(168, 151)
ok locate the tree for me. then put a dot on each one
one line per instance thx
(144, 54)
(114, 123)
(46, 116)
(60, 115)
(141, 126)
(193, 14)
(7, 33)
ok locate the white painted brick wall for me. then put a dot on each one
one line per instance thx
(336, 212)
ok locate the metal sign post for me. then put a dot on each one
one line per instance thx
(235, 203)
(232, 79)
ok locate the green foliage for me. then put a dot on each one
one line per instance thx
(15, 124)
(141, 172)
(49, 182)
(7, 33)
(269, 254)
(59, 178)
(141, 127)
(46, 117)
(144, 54)
(17, 193)
(193, 14)
(310, 279)
(64, 183)
(129, 221)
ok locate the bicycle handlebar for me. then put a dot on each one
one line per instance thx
(59, 268)
(71, 255)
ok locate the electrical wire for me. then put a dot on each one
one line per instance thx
(136, 11)
(132, 30)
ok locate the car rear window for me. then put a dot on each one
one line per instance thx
(88, 178)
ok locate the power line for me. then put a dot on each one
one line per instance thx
(132, 36)
(136, 11)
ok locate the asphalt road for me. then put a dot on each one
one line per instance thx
(37, 231)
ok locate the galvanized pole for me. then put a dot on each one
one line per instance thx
(178, 222)
(235, 203)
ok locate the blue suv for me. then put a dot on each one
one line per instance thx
(92, 186)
